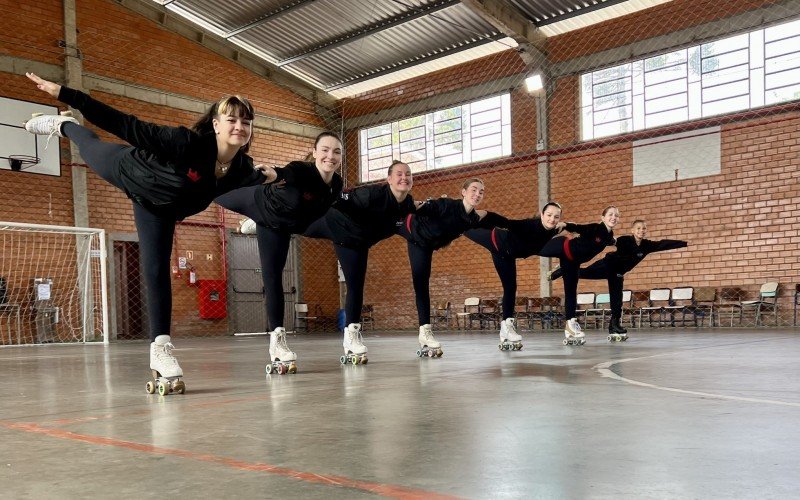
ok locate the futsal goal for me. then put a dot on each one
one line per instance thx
(52, 284)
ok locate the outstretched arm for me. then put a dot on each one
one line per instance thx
(167, 142)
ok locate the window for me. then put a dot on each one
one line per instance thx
(732, 74)
(467, 133)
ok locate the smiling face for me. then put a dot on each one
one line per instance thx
(639, 230)
(611, 217)
(473, 194)
(233, 130)
(551, 216)
(328, 154)
(400, 178)
(233, 123)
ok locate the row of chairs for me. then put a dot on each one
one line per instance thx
(659, 306)
(310, 318)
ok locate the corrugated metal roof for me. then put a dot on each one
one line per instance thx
(342, 45)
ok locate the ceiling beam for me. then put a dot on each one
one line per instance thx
(578, 12)
(417, 60)
(514, 24)
(268, 16)
(369, 30)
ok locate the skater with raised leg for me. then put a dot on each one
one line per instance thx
(303, 193)
(358, 220)
(516, 239)
(631, 250)
(592, 239)
(169, 173)
(434, 225)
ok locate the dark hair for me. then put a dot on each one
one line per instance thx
(391, 167)
(605, 210)
(638, 221)
(326, 134)
(470, 181)
(310, 156)
(551, 204)
(233, 105)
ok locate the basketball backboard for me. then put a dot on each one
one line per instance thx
(16, 141)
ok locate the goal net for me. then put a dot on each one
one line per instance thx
(52, 284)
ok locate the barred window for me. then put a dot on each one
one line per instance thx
(472, 132)
(732, 74)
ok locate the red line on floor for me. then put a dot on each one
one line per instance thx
(386, 490)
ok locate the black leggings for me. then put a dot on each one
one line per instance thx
(506, 267)
(354, 267)
(616, 282)
(155, 230)
(569, 268)
(421, 259)
(273, 250)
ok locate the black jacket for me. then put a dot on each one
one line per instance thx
(521, 238)
(593, 239)
(169, 169)
(297, 198)
(440, 221)
(366, 215)
(629, 254)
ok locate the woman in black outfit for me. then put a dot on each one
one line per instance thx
(631, 250)
(516, 239)
(358, 220)
(169, 173)
(302, 193)
(592, 239)
(436, 223)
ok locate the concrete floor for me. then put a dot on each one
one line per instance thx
(668, 414)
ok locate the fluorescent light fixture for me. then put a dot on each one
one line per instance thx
(534, 82)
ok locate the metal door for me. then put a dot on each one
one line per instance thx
(246, 287)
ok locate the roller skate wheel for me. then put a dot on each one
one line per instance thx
(150, 387)
(519, 347)
(610, 338)
(419, 353)
(179, 387)
(354, 359)
(431, 353)
(439, 353)
(293, 368)
(269, 368)
(282, 369)
(343, 360)
(163, 389)
(566, 342)
(364, 360)
(500, 346)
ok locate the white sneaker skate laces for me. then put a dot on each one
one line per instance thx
(164, 354)
(49, 125)
(282, 346)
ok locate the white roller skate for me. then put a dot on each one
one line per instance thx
(429, 346)
(355, 352)
(281, 359)
(49, 125)
(247, 226)
(510, 340)
(165, 370)
(573, 333)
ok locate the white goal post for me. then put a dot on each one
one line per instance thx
(53, 284)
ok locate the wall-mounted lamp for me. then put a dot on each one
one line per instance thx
(534, 82)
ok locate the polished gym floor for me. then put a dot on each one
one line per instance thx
(670, 413)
